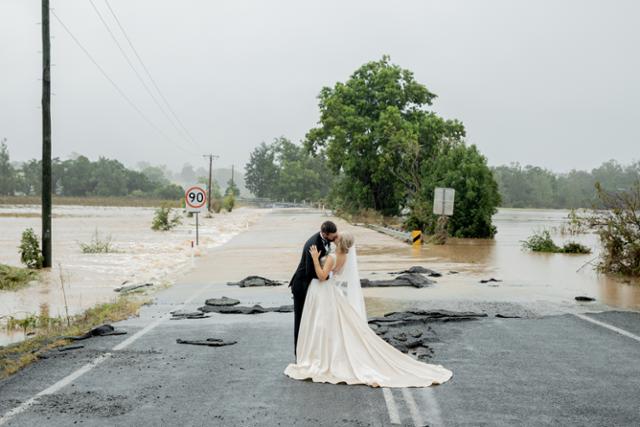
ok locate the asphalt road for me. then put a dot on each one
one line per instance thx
(551, 370)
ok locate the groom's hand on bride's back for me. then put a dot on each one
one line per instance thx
(313, 251)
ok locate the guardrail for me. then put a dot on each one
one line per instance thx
(393, 232)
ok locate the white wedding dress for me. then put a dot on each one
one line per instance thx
(335, 343)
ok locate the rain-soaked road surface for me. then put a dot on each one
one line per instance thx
(546, 368)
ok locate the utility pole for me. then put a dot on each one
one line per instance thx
(46, 137)
(232, 176)
(211, 157)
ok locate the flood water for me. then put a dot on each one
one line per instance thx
(142, 255)
(547, 283)
(526, 277)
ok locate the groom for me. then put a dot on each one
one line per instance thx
(306, 272)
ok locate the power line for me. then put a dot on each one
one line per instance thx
(126, 57)
(135, 51)
(113, 83)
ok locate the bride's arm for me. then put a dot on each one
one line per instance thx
(321, 272)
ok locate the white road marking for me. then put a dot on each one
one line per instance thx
(608, 326)
(413, 408)
(392, 409)
(55, 387)
(433, 409)
(95, 362)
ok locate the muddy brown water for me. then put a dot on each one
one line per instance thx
(543, 283)
(271, 247)
(526, 276)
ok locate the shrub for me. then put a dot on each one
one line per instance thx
(228, 202)
(12, 278)
(162, 220)
(97, 245)
(216, 205)
(619, 229)
(30, 254)
(575, 248)
(542, 242)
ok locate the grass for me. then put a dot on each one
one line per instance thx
(14, 278)
(49, 330)
(90, 201)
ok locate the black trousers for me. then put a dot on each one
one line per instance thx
(298, 305)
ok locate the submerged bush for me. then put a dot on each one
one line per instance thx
(97, 245)
(229, 202)
(542, 242)
(162, 220)
(30, 254)
(216, 205)
(575, 248)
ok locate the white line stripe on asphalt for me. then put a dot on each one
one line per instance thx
(392, 409)
(413, 408)
(608, 326)
(55, 387)
(433, 417)
(95, 362)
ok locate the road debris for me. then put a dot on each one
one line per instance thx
(251, 281)
(409, 332)
(224, 301)
(419, 270)
(128, 288)
(99, 331)
(411, 279)
(210, 342)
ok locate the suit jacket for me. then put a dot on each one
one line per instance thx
(306, 271)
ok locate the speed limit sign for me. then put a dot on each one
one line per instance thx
(195, 199)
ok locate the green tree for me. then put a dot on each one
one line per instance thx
(284, 170)
(187, 175)
(465, 169)
(110, 177)
(377, 134)
(232, 188)
(535, 187)
(158, 175)
(31, 176)
(169, 191)
(300, 175)
(138, 182)
(8, 176)
(76, 178)
(261, 172)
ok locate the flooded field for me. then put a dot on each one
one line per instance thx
(142, 255)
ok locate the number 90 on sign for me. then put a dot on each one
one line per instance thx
(195, 199)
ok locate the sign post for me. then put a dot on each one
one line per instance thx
(195, 199)
(443, 199)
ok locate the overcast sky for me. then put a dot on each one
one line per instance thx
(554, 83)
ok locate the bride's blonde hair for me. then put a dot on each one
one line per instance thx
(345, 242)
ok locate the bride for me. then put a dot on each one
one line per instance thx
(335, 342)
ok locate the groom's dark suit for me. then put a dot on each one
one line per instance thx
(301, 279)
